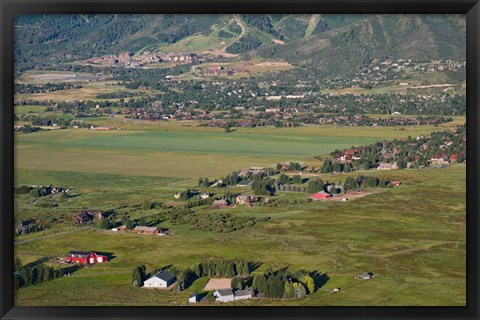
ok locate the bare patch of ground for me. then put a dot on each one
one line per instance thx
(216, 284)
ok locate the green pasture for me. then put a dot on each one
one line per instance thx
(412, 237)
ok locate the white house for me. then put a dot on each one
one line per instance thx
(193, 298)
(224, 295)
(163, 279)
(365, 276)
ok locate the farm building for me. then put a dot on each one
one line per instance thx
(162, 279)
(193, 298)
(85, 257)
(320, 195)
(145, 230)
(242, 295)
(224, 295)
(364, 276)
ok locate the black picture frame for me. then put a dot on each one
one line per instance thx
(9, 8)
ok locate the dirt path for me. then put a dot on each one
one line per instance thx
(239, 23)
(311, 25)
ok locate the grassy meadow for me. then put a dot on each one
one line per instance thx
(412, 237)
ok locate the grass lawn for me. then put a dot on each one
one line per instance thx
(416, 248)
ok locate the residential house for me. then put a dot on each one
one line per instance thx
(224, 295)
(145, 230)
(387, 166)
(440, 159)
(248, 200)
(162, 279)
(83, 217)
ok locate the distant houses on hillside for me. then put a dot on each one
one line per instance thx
(84, 217)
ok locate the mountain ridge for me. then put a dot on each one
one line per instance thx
(330, 44)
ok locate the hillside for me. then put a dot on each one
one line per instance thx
(330, 44)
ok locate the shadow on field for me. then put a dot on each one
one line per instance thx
(110, 213)
(254, 265)
(71, 269)
(201, 295)
(155, 222)
(37, 262)
(319, 279)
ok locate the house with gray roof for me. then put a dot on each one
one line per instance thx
(242, 294)
(162, 279)
(224, 295)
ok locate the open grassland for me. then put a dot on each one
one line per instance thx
(164, 153)
(412, 237)
(89, 91)
(184, 150)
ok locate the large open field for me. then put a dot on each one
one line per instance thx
(411, 237)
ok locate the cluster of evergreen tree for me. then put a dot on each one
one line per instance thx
(284, 283)
(116, 95)
(21, 88)
(244, 44)
(336, 166)
(221, 223)
(199, 202)
(261, 22)
(28, 129)
(138, 276)
(203, 182)
(34, 191)
(28, 275)
(222, 268)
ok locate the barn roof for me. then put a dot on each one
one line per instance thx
(242, 293)
(225, 292)
(80, 253)
(164, 275)
(145, 228)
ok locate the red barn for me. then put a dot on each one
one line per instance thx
(320, 195)
(85, 257)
